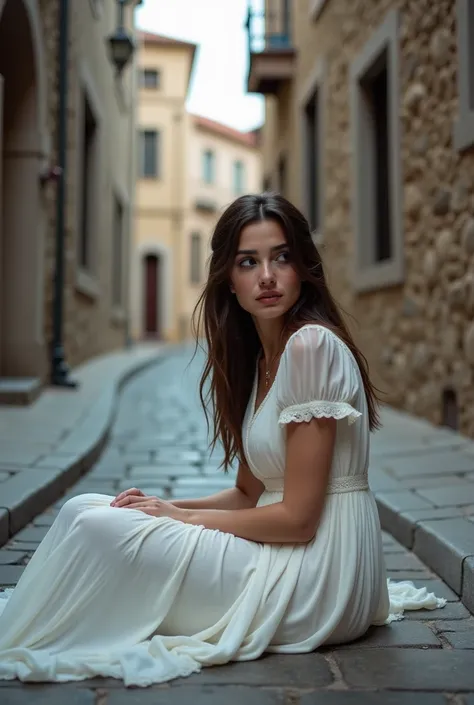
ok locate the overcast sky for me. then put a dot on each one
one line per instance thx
(220, 72)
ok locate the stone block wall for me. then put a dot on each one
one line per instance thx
(90, 325)
(418, 336)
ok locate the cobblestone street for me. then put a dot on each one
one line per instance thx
(159, 443)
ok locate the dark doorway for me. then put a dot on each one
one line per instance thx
(375, 86)
(151, 279)
(450, 411)
(21, 214)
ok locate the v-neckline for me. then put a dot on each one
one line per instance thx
(255, 411)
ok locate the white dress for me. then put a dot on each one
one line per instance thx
(115, 592)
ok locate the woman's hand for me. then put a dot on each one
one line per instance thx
(121, 499)
(153, 506)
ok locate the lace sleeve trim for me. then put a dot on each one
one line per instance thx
(318, 410)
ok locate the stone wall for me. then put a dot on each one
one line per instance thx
(90, 325)
(419, 336)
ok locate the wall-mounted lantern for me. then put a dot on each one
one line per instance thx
(121, 44)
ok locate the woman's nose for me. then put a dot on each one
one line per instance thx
(267, 274)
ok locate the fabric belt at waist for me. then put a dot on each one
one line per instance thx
(338, 485)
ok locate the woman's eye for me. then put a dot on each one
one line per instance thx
(247, 262)
(283, 257)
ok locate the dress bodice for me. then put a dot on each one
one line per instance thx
(317, 377)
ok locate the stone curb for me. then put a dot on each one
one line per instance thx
(445, 545)
(34, 488)
(404, 481)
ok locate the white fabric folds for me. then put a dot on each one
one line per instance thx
(406, 596)
(115, 592)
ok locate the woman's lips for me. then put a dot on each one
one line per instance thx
(270, 299)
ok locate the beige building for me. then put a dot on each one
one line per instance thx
(87, 207)
(370, 129)
(165, 67)
(189, 169)
(223, 164)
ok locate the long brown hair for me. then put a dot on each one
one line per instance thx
(233, 344)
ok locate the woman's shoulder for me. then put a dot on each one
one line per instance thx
(313, 335)
(311, 338)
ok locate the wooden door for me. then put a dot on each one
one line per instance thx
(151, 289)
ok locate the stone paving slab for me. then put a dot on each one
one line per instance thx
(453, 610)
(460, 640)
(160, 471)
(433, 513)
(4, 526)
(468, 583)
(10, 575)
(303, 671)
(9, 557)
(46, 695)
(234, 695)
(444, 545)
(450, 495)
(426, 658)
(217, 695)
(29, 546)
(55, 439)
(401, 634)
(44, 519)
(406, 669)
(25, 494)
(366, 698)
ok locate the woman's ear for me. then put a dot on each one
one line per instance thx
(231, 287)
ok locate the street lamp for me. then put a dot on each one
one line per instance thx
(121, 44)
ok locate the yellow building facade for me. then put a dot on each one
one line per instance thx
(190, 168)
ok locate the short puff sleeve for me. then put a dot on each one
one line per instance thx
(318, 378)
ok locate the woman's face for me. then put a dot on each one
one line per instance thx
(262, 276)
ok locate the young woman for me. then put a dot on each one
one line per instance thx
(145, 590)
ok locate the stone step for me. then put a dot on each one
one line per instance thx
(19, 391)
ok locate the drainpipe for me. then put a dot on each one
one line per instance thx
(59, 368)
(130, 249)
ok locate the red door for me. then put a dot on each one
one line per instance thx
(151, 282)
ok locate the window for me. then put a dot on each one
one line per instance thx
(150, 78)
(450, 410)
(118, 222)
(282, 175)
(311, 106)
(376, 94)
(238, 177)
(208, 166)
(88, 185)
(278, 25)
(376, 177)
(195, 258)
(464, 125)
(312, 157)
(149, 149)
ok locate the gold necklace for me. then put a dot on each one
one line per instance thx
(268, 370)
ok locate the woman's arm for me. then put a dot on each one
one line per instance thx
(295, 519)
(244, 495)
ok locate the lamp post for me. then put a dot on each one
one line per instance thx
(121, 44)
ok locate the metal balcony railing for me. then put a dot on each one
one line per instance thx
(269, 30)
